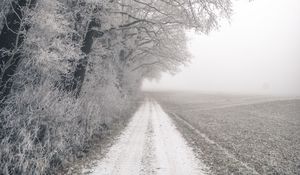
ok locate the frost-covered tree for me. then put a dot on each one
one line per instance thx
(77, 67)
(147, 37)
(13, 28)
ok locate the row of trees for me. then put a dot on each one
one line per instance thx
(71, 67)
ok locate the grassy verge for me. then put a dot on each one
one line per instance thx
(97, 148)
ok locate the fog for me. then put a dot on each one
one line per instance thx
(258, 52)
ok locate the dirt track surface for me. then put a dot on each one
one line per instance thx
(150, 144)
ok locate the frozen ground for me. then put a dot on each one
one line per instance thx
(238, 134)
(150, 144)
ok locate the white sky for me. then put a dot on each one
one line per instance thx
(259, 52)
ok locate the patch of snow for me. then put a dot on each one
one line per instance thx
(150, 144)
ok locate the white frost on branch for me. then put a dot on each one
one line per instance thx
(51, 45)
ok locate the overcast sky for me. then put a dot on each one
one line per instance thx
(259, 52)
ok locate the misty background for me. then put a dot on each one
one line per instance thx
(257, 52)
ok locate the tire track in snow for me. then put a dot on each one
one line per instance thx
(124, 157)
(150, 145)
(174, 155)
(148, 160)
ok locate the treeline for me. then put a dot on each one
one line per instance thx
(69, 68)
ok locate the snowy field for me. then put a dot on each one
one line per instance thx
(235, 134)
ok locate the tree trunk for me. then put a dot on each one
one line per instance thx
(80, 71)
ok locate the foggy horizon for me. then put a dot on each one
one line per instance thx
(255, 53)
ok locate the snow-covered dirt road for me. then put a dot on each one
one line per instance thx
(150, 144)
